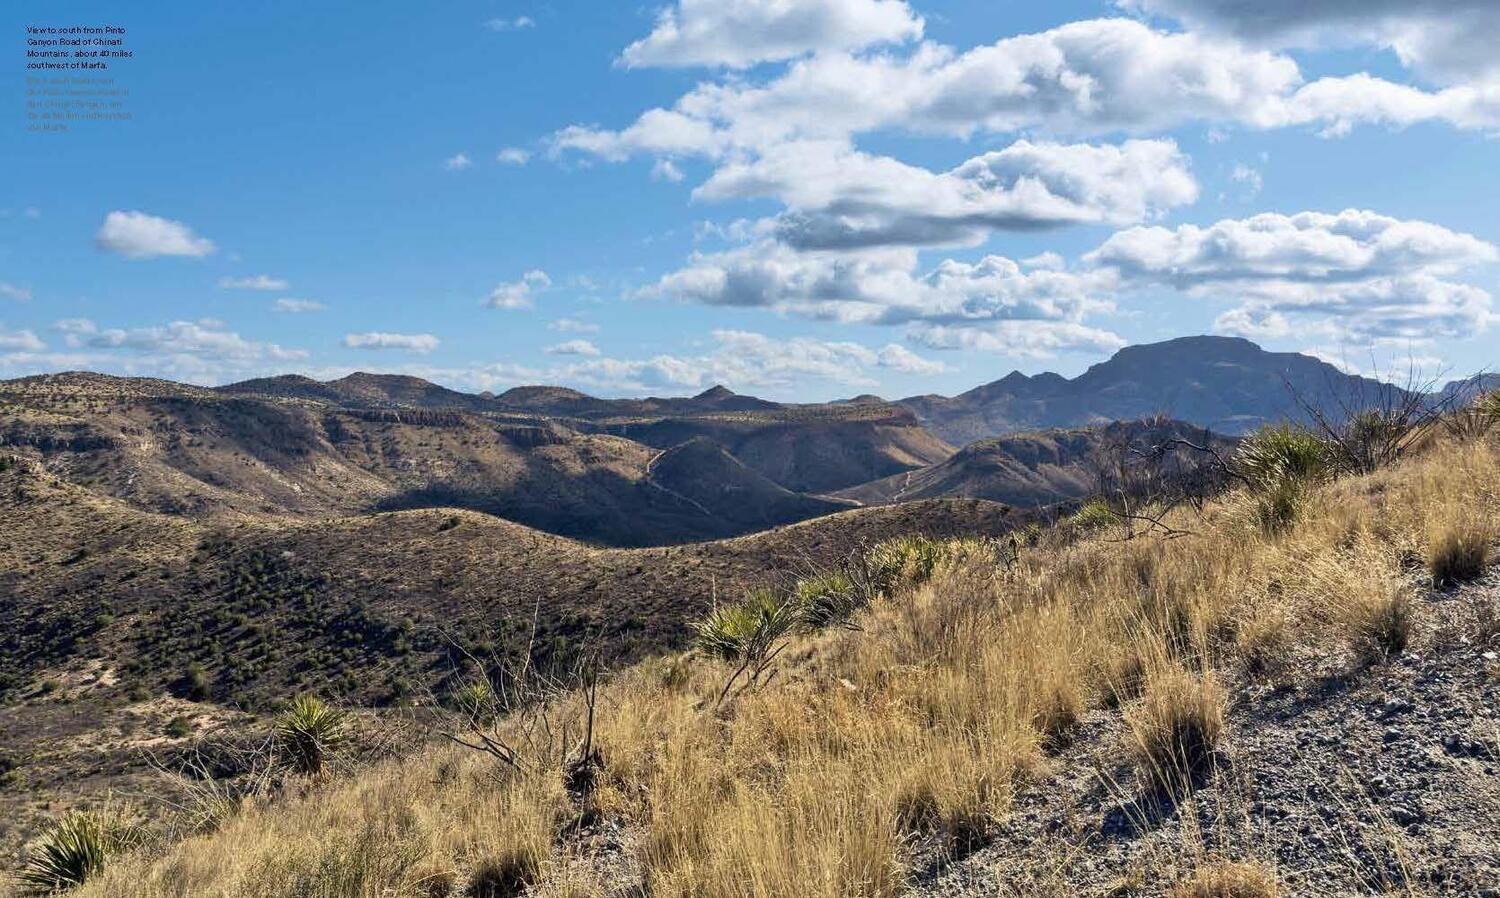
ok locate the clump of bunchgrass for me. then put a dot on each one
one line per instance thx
(1177, 727)
(1380, 622)
(1460, 546)
(505, 875)
(308, 733)
(1228, 879)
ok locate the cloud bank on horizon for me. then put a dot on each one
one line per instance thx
(890, 208)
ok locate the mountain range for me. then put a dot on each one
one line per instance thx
(630, 472)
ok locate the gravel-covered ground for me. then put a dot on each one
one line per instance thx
(1381, 780)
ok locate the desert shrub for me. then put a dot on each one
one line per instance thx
(195, 683)
(75, 850)
(1487, 406)
(308, 733)
(505, 875)
(1175, 731)
(1029, 535)
(1459, 548)
(826, 599)
(1223, 879)
(904, 561)
(179, 727)
(1093, 515)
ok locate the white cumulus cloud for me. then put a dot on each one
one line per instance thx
(573, 347)
(137, 235)
(519, 294)
(289, 304)
(740, 33)
(1353, 275)
(20, 341)
(421, 343)
(839, 197)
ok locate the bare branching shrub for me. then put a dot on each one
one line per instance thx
(1460, 546)
(1475, 420)
(1229, 879)
(1176, 729)
(205, 801)
(1369, 424)
(548, 728)
(308, 733)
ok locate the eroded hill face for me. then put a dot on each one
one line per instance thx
(1041, 468)
(291, 446)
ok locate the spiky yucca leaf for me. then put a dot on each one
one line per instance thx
(824, 600)
(1275, 456)
(308, 733)
(71, 853)
(734, 632)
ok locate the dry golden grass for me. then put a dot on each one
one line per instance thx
(925, 719)
(1177, 728)
(1460, 546)
(1229, 879)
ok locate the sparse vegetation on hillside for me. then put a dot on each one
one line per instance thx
(907, 737)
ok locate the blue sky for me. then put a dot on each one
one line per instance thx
(802, 199)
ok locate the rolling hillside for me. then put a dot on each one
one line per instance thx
(182, 450)
(1030, 469)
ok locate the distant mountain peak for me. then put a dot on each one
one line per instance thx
(716, 392)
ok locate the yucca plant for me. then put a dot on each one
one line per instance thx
(904, 560)
(749, 635)
(75, 850)
(1275, 456)
(1280, 464)
(309, 732)
(743, 629)
(826, 599)
(476, 699)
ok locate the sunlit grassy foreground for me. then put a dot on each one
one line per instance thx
(920, 720)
